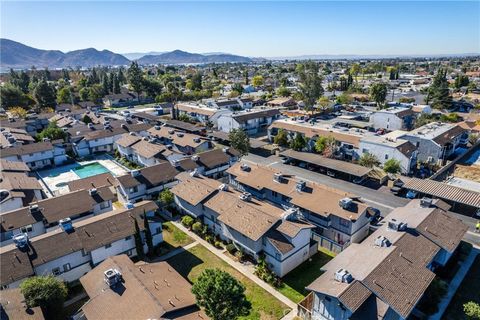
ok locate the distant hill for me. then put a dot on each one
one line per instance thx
(138, 55)
(183, 57)
(17, 55)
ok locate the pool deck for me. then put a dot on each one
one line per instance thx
(53, 179)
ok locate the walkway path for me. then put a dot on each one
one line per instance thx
(455, 283)
(246, 270)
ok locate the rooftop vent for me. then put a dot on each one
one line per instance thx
(176, 163)
(195, 158)
(396, 225)
(135, 173)
(246, 196)
(132, 134)
(112, 277)
(345, 203)
(382, 241)
(301, 185)
(157, 127)
(90, 126)
(128, 205)
(66, 225)
(20, 240)
(171, 131)
(194, 173)
(343, 276)
(34, 208)
(225, 149)
(124, 126)
(180, 134)
(426, 202)
(245, 167)
(92, 191)
(196, 140)
(169, 146)
(223, 187)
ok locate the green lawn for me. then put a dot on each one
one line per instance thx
(173, 238)
(294, 283)
(192, 262)
(468, 291)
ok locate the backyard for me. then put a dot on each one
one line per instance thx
(173, 238)
(294, 283)
(192, 262)
(468, 291)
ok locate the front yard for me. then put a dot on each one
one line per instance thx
(294, 283)
(468, 291)
(193, 261)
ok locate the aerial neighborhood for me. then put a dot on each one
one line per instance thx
(212, 186)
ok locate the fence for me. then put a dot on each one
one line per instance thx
(448, 169)
(329, 244)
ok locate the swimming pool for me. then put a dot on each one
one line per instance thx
(88, 170)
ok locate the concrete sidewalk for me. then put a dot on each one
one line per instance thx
(246, 270)
(455, 283)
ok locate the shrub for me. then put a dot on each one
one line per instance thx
(231, 248)
(187, 221)
(209, 238)
(218, 244)
(240, 255)
(472, 310)
(263, 272)
(197, 227)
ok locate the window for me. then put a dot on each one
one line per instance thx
(274, 194)
(344, 223)
(84, 253)
(386, 156)
(56, 271)
(108, 246)
(128, 238)
(27, 228)
(133, 189)
(104, 205)
(66, 267)
(277, 256)
(158, 230)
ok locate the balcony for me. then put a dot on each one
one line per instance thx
(304, 307)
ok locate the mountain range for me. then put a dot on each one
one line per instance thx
(19, 56)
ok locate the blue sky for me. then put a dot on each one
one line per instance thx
(248, 28)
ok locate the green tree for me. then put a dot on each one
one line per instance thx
(281, 138)
(187, 221)
(257, 81)
(392, 166)
(148, 233)
(116, 85)
(12, 96)
(52, 132)
(451, 117)
(135, 78)
(238, 88)
(86, 119)
(239, 140)
(105, 85)
(152, 88)
(47, 292)
(378, 93)
(84, 94)
(323, 103)
(368, 160)
(325, 144)
(166, 197)
(472, 310)
(95, 93)
(18, 112)
(138, 240)
(221, 295)
(439, 93)
(310, 83)
(344, 98)
(298, 143)
(196, 81)
(473, 138)
(64, 95)
(44, 94)
(283, 92)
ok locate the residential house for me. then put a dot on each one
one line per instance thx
(32, 125)
(386, 275)
(163, 292)
(282, 102)
(146, 183)
(179, 141)
(255, 227)
(45, 215)
(36, 155)
(97, 181)
(436, 141)
(388, 147)
(251, 121)
(212, 163)
(11, 137)
(74, 249)
(17, 188)
(199, 112)
(393, 119)
(118, 99)
(340, 218)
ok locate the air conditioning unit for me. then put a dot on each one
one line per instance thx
(34, 208)
(90, 126)
(157, 127)
(345, 203)
(171, 131)
(382, 241)
(66, 224)
(277, 177)
(396, 225)
(194, 173)
(301, 185)
(135, 173)
(128, 205)
(426, 202)
(223, 187)
(245, 196)
(196, 140)
(245, 167)
(343, 276)
(20, 240)
(112, 277)
(195, 158)
(180, 134)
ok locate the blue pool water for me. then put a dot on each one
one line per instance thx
(91, 169)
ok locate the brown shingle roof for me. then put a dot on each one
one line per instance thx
(355, 295)
(6, 165)
(14, 307)
(194, 189)
(150, 176)
(97, 181)
(26, 149)
(447, 136)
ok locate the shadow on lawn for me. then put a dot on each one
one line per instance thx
(184, 262)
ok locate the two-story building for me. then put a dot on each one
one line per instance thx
(180, 141)
(36, 155)
(394, 118)
(142, 151)
(251, 121)
(45, 215)
(212, 163)
(74, 249)
(255, 227)
(386, 275)
(146, 183)
(11, 137)
(340, 218)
